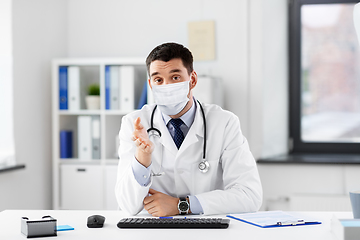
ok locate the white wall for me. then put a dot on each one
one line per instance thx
(39, 34)
(112, 28)
(329, 181)
(268, 78)
(7, 149)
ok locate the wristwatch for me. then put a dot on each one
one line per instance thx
(183, 206)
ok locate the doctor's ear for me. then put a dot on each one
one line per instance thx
(149, 82)
(193, 79)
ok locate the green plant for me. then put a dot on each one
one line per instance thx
(94, 89)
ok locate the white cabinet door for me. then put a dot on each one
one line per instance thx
(81, 187)
(110, 181)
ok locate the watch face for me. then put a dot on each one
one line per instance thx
(183, 206)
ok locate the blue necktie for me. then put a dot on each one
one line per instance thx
(179, 135)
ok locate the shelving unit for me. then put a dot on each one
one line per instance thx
(88, 184)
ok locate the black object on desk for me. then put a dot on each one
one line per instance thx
(95, 221)
(173, 223)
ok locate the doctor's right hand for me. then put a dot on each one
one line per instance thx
(144, 147)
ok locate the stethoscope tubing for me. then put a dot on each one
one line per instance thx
(152, 128)
(152, 123)
(204, 120)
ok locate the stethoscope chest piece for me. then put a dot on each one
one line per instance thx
(204, 166)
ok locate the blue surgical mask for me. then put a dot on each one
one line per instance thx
(171, 98)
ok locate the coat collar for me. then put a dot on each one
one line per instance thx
(195, 134)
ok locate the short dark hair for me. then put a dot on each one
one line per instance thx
(168, 51)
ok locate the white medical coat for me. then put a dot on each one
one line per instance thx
(232, 184)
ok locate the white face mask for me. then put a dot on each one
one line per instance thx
(171, 98)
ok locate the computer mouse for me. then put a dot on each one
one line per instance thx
(95, 221)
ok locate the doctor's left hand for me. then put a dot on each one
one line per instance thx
(160, 204)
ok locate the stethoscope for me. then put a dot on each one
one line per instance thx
(204, 164)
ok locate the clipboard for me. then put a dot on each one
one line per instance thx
(271, 219)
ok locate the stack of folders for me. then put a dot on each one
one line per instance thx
(346, 229)
(88, 137)
(120, 89)
(69, 88)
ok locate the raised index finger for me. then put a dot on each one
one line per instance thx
(137, 124)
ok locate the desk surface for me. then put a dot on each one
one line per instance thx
(10, 222)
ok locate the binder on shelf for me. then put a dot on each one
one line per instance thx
(107, 87)
(95, 131)
(74, 88)
(66, 146)
(272, 219)
(63, 88)
(143, 96)
(114, 87)
(127, 75)
(84, 138)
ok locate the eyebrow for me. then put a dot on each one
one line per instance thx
(175, 70)
(172, 71)
(153, 74)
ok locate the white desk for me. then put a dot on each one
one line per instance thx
(10, 222)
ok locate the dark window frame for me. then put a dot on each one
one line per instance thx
(298, 146)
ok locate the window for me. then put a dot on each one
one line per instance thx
(324, 77)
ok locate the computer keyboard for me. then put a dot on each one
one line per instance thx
(173, 223)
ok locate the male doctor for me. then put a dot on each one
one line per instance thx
(163, 170)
